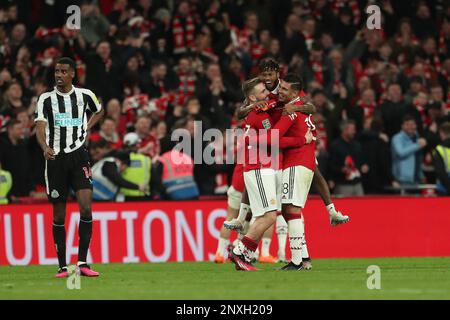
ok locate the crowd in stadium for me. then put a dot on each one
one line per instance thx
(381, 95)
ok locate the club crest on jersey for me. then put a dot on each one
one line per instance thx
(54, 194)
(266, 124)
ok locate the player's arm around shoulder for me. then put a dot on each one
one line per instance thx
(305, 106)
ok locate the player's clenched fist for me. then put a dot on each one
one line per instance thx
(49, 154)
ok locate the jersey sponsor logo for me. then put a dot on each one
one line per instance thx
(66, 120)
(54, 194)
(266, 124)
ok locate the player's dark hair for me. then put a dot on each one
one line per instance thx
(249, 85)
(268, 64)
(68, 61)
(294, 80)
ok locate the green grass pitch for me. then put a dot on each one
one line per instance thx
(401, 278)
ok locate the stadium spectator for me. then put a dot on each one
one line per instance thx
(148, 144)
(114, 111)
(423, 23)
(375, 147)
(392, 110)
(95, 25)
(363, 109)
(108, 132)
(347, 162)
(102, 71)
(407, 154)
(14, 155)
(12, 100)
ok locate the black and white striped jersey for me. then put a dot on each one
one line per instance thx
(65, 114)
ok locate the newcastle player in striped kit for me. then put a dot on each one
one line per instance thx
(62, 125)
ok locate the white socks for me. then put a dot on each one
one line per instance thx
(305, 253)
(265, 247)
(282, 231)
(296, 231)
(330, 207)
(221, 247)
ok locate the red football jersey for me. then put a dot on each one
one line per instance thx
(305, 154)
(258, 126)
(253, 123)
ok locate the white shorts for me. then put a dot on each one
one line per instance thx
(264, 190)
(296, 183)
(234, 198)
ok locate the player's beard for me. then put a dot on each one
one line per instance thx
(273, 86)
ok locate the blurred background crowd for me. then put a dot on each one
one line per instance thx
(382, 96)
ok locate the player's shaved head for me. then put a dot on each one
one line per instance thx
(294, 80)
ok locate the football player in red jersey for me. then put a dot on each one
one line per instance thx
(262, 177)
(299, 164)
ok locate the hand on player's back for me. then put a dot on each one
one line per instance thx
(309, 136)
(49, 154)
(289, 109)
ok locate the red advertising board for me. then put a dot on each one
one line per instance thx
(188, 231)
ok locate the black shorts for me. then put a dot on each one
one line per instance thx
(67, 171)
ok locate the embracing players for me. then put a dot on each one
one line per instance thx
(262, 175)
(269, 74)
